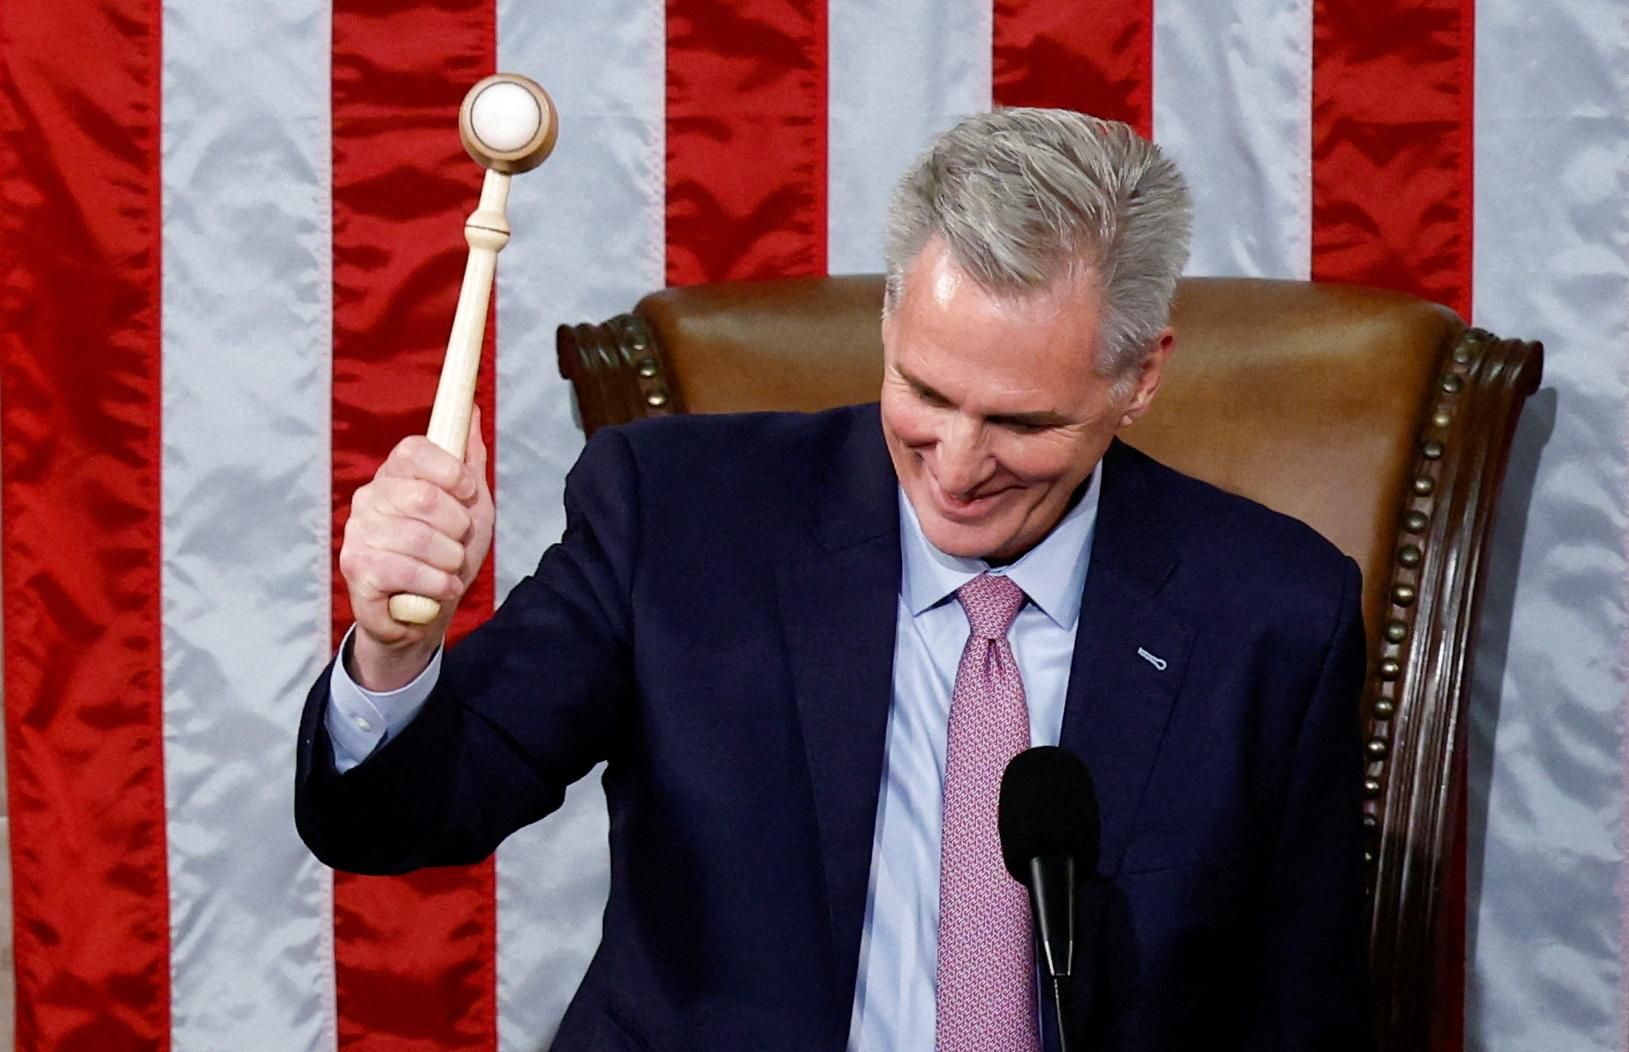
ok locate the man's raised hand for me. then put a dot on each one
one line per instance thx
(423, 525)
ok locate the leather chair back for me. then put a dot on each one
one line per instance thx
(1377, 418)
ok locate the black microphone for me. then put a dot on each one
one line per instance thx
(1049, 841)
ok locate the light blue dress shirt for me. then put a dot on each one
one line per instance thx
(894, 996)
(899, 948)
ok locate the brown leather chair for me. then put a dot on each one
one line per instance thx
(1380, 419)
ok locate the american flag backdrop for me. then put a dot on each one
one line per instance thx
(231, 248)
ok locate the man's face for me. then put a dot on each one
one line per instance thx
(991, 407)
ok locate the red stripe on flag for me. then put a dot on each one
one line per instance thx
(81, 403)
(1392, 199)
(746, 139)
(1392, 119)
(415, 955)
(1095, 56)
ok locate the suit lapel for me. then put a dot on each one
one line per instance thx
(1130, 652)
(838, 594)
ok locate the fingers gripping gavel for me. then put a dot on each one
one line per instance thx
(508, 124)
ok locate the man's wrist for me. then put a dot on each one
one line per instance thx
(381, 669)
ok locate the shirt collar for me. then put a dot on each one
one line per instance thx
(1052, 574)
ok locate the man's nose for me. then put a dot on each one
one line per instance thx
(962, 461)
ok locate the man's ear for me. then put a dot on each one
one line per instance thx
(1146, 380)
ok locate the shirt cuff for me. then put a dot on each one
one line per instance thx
(360, 720)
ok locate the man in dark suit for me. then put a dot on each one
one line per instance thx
(806, 646)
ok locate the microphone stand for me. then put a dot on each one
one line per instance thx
(1057, 1003)
(1052, 896)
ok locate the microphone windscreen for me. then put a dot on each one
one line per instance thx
(1048, 808)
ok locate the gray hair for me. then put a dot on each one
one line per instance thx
(1022, 197)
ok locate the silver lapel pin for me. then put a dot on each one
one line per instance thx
(1158, 662)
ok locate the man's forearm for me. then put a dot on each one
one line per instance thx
(360, 719)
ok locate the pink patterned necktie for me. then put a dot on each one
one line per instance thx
(985, 998)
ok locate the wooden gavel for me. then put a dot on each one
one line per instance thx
(508, 124)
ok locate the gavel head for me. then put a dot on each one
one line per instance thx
(508, 123)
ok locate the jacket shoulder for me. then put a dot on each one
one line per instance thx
(1246, 554)
(726, 482)
(734, 451)
(737, 435)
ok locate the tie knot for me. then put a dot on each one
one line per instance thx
(991, 602)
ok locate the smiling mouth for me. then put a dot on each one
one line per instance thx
(963, 509)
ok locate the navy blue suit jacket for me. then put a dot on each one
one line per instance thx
(718, 624)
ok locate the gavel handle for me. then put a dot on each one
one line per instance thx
(487, 231)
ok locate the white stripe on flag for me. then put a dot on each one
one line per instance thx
(588, 242)
(899, 74)
(1233, 105)
(1552, 262)
(246, 331)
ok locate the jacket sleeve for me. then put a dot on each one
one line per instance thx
(1314, 977)
(526, 704)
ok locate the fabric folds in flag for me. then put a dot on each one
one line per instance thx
(231, 244)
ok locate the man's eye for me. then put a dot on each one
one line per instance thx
(929, 398)
(1023, 428)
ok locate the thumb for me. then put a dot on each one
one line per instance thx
(475, 448)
